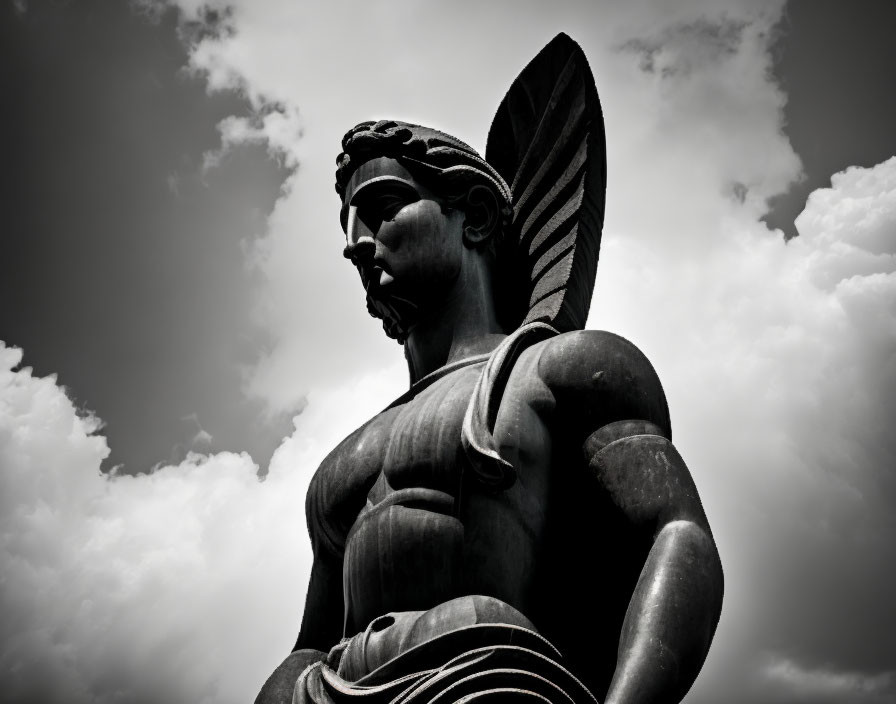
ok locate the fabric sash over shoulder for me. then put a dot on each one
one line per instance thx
(547, 141)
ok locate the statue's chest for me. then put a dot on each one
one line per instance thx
(422, 447)
(415, 444)
(418, 445)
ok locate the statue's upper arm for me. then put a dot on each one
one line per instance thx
(322, 620)
(599, 379)
(609, 394)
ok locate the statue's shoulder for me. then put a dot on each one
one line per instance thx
(600, 377)
(583, 357)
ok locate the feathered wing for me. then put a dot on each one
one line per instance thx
(547, 141)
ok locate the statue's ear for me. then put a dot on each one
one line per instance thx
(482, 216)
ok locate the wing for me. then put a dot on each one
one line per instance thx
(547, 141)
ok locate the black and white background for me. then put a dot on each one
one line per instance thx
(178, 321)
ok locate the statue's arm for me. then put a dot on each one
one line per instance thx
(321, 627)
(676, 604)
(312, 644)
(322, 620)
(607, 388)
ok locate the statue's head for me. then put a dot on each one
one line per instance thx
(540, 237)
(413, 199)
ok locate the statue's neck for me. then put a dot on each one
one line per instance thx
(464, 325)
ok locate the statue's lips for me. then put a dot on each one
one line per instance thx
(381, 285)
(376, 278)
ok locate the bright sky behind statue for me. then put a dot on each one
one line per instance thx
(172, 251)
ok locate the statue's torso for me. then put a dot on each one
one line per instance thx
(397, 512)
(397, 495)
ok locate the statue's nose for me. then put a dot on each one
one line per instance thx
(360, 251)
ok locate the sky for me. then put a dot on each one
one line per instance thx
(183, 341)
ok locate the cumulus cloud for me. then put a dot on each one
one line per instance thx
(182, 585)
(779, 360)
(852, 221)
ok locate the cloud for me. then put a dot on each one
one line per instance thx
(684, 47)
(779, 360)
(275, 126)
(182, 585)
(853, 221)
(827, 685)
(201, 436)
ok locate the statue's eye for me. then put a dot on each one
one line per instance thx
(390, 204)
(381, 202)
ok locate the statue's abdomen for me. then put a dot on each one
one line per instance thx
(403, 554)
(429, 532)
(405, 550)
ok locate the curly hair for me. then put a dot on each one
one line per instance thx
(456, 173)
(449, 165)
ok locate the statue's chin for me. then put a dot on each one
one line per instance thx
(398, 314)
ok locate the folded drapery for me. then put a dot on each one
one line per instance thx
(454, 652)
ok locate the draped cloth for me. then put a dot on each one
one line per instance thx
(516, 664)
(463, 661)
(492, 471)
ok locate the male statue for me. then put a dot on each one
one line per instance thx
(518, 525)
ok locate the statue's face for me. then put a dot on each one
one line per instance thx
(408, 251)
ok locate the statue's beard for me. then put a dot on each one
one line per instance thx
(398, 314)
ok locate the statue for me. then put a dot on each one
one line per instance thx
(518, 523)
